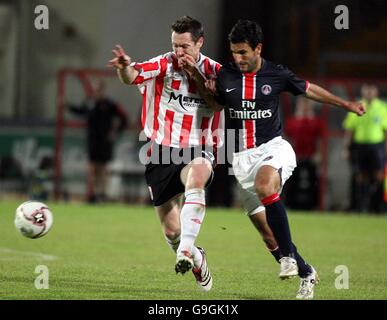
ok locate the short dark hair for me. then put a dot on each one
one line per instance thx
(246, 31)
(188, 24)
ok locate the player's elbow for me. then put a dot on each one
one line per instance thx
(125, 81)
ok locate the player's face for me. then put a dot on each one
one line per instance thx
(245, 57)
(183, 44)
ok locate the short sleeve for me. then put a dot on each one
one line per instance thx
(148, 69)
(293, 84)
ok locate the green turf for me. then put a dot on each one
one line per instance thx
(118, 252)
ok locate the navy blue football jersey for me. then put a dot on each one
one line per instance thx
(251, 101)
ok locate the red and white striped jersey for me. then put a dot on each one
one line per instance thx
(173, 113)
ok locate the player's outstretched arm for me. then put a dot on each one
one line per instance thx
(121, 62)
(321, 95)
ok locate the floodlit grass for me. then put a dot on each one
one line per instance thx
(118, 252)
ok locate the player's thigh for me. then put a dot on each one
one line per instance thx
(278, 167)
(267, 181)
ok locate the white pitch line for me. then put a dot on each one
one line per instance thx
(38, 255)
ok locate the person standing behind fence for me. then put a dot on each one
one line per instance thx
(365, 142)
(105, 121)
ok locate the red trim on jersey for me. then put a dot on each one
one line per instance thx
(250, 133)
(204, 129)
(158, 92)
(271, 199)
(169, 115)
(249, 93)
(143, 109)
(249, 84)
(175, 84)
(186, 130)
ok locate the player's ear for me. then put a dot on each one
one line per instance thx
(258, 49)
(200, 42)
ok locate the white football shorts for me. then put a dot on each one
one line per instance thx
(277, 153)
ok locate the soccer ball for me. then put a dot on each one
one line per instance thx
(33, 219)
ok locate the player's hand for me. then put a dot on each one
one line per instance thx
(211, 86)
(356, 107)
(121, 59)
(187, 63)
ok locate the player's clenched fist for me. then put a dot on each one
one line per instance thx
(356, 107)
(121, 59)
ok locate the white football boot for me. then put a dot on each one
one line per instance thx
(202, 273)
(289, 268)
(307, 284)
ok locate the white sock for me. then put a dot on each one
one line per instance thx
(173, 243)
(191, 218)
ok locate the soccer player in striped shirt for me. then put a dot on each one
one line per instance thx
(248, 90)
(182, 133)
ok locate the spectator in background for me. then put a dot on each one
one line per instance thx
(105, 120)
(304, 131)
(365, 143)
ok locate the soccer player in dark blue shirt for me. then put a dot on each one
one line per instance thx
(248, 90)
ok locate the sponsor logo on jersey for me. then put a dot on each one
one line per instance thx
(187, 102)
(266, 89)
(249, 114)
(246, 104)
(248, 111)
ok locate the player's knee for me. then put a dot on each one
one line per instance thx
(171, 234)
(264, 190)
(198, 176)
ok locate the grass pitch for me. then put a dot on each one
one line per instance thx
(118, 252)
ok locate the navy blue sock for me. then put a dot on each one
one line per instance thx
(303, 268)
(278, 222)
(276, 254)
